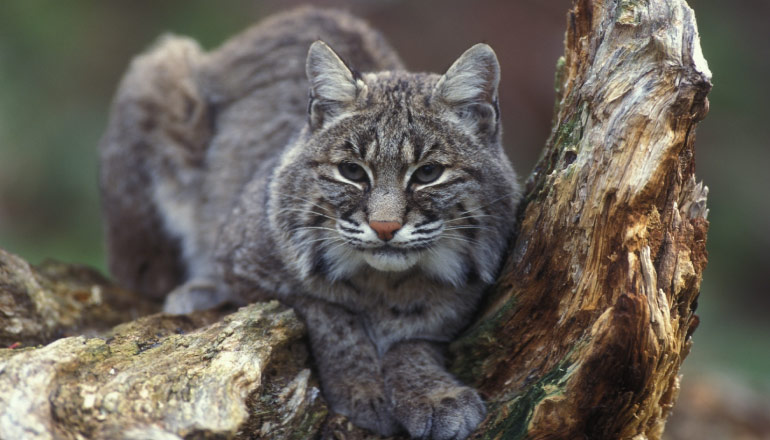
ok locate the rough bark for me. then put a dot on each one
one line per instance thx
(582, 337)
(209, 374)
(41, 304)
(592, 317)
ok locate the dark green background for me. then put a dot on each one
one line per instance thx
(60, 63)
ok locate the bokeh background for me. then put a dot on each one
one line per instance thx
(61, 61)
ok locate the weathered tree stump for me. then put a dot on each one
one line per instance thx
(592, 317)
(582, 337)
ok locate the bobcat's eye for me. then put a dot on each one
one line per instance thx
(352, 171)
(428, 173)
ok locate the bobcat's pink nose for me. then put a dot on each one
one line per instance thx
(385, 230)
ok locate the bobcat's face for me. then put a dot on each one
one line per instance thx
(405, 192)
(399, 179)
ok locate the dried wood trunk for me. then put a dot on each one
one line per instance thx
(592, 317)
(582, 337)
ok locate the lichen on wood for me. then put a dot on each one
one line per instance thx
(39, 304)
(166, 376)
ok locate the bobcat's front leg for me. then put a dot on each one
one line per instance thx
(348, 364)
(427, 400)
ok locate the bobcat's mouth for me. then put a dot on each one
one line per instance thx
(390, 259)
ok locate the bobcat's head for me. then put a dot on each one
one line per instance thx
(398, 172)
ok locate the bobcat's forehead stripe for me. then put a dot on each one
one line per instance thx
(429, 149)
(355, 148)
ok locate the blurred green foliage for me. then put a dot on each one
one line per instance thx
(61, 61)
(59, 65)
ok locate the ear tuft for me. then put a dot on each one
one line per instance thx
(473, 78)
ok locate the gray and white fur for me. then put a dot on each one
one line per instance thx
(379, 208)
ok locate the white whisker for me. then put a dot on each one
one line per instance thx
(330, 239)
(454, 228)
(306, 211)
(486, 204)
(301, 228)
(473, 217)
(337, 246)
(463, 239)
(300, 198)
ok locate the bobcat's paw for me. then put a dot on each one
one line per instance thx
(445, 413)
(192, 296)
(373, 413)
(364, 403)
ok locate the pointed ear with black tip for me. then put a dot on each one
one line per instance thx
(469, 88)
(334, 86)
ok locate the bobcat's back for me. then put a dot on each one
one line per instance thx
(188, 129)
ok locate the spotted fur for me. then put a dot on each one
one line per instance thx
(281, 190)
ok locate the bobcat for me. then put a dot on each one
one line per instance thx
(379, 208)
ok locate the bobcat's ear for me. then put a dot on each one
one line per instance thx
(469, 88)
(333, 85)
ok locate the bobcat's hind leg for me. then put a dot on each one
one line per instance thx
(158, 132)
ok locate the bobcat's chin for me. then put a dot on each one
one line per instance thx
(390, 259)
